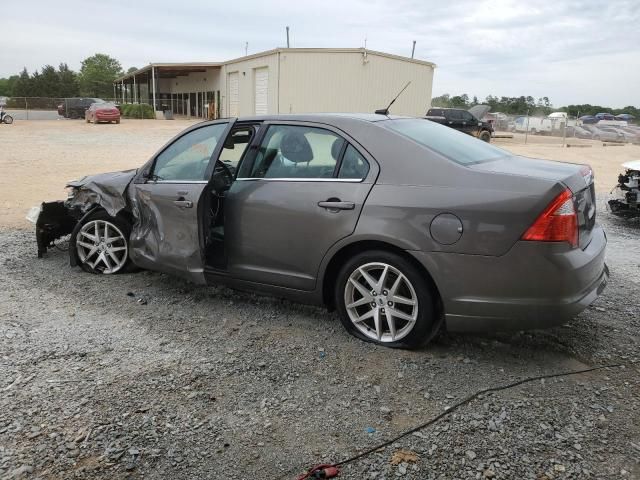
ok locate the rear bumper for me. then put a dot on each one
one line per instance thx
(107, 118)
(534, 285)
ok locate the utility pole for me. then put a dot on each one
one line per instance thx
(413, 49)
(287, 36)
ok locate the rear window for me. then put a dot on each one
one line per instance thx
(459, 147)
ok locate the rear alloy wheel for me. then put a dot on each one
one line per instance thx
(383, 298)
(101, 244)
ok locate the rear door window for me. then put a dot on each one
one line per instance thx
(294, 151)
(353, 165)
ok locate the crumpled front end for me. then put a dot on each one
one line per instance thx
(627, 203)
(56, 219)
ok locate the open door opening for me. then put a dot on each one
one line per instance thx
(236, 148)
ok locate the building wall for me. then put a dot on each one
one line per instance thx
(352, 82)
(302, 81)
(246, 69)
(194, 82)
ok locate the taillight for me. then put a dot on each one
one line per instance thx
(557, 223)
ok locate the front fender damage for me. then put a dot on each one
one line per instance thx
(59, 218)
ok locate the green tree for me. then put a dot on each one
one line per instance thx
(132, 69)
(97, 75)
(442, 101)
(48, 84)
(23, 86)
(7, 85)
(68, 86)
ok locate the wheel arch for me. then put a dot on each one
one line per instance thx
(338, 259)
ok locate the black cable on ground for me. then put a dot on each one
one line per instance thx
(454, 408)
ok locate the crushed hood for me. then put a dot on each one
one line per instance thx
(479, 111)
(105, 189)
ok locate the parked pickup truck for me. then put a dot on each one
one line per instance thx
(467, 121)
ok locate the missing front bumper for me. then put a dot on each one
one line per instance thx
(54, 221)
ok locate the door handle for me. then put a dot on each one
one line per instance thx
(337, 205)
(183, 203)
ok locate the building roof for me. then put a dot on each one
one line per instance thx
(172, 70)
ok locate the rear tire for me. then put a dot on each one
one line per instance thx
(8, 119)
(402, 314)
(118, 122)
(485, 136)
(100, 244)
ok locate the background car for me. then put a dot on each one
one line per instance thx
(466, 121)
(76, 107)
(609, 134)
(400, 224)
(601, 133)
(579, 132)
(102, 112)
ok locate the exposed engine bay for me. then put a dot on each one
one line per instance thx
(627, 190)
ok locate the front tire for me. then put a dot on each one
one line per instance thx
(383, 298)
(100, 244)
(8, 119)
(485, 136)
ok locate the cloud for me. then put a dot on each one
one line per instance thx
(574, 51)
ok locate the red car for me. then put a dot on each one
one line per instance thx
(102, 112)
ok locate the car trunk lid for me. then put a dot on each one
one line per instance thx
(578, 178)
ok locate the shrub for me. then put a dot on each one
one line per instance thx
(135, 110)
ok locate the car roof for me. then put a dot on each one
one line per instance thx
(322, 117)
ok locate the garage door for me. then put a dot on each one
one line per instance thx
(262, 89)
(234, 94)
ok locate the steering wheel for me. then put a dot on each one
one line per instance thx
(222, 176)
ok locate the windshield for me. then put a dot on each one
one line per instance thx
(456, 146)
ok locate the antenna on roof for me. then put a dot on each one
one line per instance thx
(385, 111)
(287, 36)
(246, 48)
(413, 49)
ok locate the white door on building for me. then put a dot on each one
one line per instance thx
(234, 94)
(261, 78)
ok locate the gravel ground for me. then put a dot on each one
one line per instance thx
(147, 376)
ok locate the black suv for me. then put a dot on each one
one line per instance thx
(75, 107)
(467, 121)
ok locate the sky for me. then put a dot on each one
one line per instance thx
(572, 51)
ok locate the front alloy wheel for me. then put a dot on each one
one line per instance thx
(101, 246)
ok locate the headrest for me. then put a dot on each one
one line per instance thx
(336, 147)
(295, 147)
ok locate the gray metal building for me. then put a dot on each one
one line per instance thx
(283, 80)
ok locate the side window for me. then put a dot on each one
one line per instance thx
(353, 165)
(467, 117)
(454, 115)
(187, 158)
(289, 151)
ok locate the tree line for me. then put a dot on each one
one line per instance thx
(523, 104)
(95, 79)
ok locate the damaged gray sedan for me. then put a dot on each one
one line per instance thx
(400, 224)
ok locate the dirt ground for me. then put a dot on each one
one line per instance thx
(144, 375)
(37, 158)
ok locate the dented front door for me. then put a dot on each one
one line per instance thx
(166, 230)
